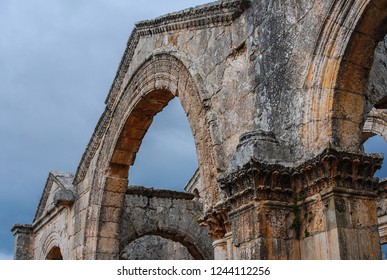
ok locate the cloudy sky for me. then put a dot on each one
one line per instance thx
(58, 59)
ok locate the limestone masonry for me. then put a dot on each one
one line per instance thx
(280, 96)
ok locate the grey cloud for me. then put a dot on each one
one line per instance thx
(57, 62)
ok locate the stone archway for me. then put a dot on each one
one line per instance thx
(337, 106)
(338, 75)
(159, 79)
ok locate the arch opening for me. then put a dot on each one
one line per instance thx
(154, 247)
(167, 158)
(54, 254)
(167, 238)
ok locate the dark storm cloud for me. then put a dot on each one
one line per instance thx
(58, 59)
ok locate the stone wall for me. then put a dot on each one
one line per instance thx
(168, 214)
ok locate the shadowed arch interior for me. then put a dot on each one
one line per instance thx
(54, 254)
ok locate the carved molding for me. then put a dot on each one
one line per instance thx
(203, 16)
(375, 124)
(92, 146)
(337, 169)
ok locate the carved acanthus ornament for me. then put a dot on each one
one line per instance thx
(217, 221)
(256, 181)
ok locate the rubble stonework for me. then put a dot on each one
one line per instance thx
(280, 96)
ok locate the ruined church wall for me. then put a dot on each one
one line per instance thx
(251, 75)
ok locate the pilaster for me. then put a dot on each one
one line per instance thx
(325, 208)
(336, 194)
(23, 242)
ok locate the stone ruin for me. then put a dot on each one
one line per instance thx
(280, 96)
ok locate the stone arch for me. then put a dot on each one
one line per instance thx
(51, 248)
(154, 247)
(158, 80)
(175, 236)
(375, 124)
(338, 75)
(168, 214)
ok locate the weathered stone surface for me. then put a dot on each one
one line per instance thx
(280, 96)
(155, 248)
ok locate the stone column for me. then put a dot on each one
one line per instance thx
(262, 214)
(219, 229)
(336, 202)
(108, 237)
(258, 193)
(220, 249)
(325, 208)
(23, 242)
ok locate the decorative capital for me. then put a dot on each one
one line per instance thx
(218, 222)
(258, 181)
(337, 169)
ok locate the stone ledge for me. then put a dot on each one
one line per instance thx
(21, 228)
(151, 192)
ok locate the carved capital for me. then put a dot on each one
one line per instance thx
(337, 169)
(256, 182)
(217, 221)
